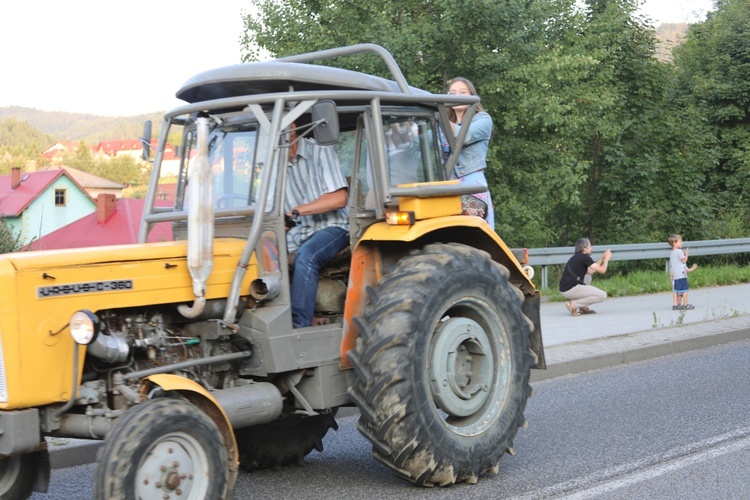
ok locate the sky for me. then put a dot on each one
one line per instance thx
(112, 58)
(677, 11)
(129, 58)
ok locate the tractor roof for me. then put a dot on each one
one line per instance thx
(273, 77)
(301, 77)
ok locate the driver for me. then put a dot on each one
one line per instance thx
(316, 200)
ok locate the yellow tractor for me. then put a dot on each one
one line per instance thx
(181, 355)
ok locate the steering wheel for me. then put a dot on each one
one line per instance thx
(223, 200)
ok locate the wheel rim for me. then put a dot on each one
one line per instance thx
(168, 469)
(461, 366)
(470, 367)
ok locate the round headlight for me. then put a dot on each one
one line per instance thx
(84, 326)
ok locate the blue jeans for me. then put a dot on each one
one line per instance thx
(312, 255)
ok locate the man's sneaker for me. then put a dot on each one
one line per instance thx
(573, 309)
(677, 308)
(586, 310)
(688, 307)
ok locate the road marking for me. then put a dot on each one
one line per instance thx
(613, 478)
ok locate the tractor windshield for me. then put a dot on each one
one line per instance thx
(236, 172)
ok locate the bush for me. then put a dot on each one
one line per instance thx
(10, 240)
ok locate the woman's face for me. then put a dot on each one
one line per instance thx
(459, 88)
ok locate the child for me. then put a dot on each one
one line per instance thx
(678, 273)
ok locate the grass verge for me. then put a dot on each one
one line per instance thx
(645, 282)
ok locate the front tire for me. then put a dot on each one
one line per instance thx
(163, 448)
(442, 365)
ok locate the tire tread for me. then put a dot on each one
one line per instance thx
(382, 362)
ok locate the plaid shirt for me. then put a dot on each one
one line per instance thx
(314, 172)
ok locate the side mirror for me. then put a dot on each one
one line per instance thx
(325, 123)
(146, 140)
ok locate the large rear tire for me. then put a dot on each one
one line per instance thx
(17, 476)
(442, 365)
(285, 441)
(163, 448)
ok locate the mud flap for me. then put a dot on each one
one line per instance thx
(531, 308)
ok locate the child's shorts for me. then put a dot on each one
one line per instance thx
(680, 285)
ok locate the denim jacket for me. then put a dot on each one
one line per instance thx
(473, 156)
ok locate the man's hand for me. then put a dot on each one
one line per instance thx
(290, 219)
(600, 266)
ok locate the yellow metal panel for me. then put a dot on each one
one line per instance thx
(381, 231)
(427, 208)
(46, 287)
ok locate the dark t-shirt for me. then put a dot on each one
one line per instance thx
(575, 270)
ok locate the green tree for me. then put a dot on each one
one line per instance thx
(593, 144)
(714, 77)
(81, 158)
(122, 169)
(589, 139)
(19, 143)
(650, 171)
(432, 40)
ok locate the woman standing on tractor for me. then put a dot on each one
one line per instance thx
(472, 160)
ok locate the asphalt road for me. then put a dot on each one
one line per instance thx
(624, 330)
(673, 427)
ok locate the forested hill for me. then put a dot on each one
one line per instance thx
(78, 126)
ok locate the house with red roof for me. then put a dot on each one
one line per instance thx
(60, 149)
(109, 149)
(121, 147)
(93, 184)
(37, 203)
(115, 222)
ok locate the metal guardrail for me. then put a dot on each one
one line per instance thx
(639, 251)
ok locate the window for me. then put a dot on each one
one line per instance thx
(59, 197)
(236, 172)
(413, 154)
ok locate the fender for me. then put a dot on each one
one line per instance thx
(382, 240)
(483, 236)
(203, 399)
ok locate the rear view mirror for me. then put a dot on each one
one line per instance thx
(146, 140)
(325, 123)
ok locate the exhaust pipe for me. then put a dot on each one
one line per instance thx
(253, 404)
(200, 222)
(265, 288)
